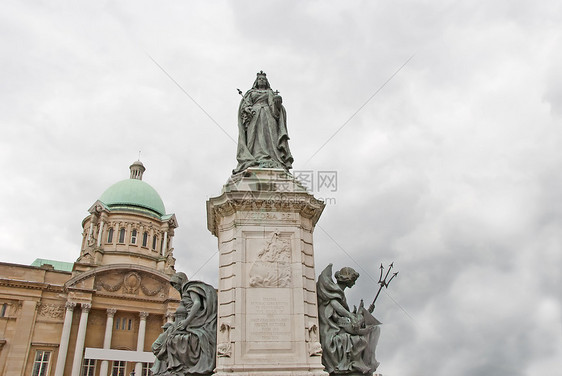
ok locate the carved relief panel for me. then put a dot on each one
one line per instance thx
(272, 264)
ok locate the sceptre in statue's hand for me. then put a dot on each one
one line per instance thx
(247, 113)
(277, 102)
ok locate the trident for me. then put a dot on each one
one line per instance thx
(383, 283)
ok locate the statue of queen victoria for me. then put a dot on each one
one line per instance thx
(262, 126)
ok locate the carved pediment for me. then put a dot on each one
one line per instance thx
(123, 280)
(134, 283)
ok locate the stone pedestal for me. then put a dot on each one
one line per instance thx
(267, 314)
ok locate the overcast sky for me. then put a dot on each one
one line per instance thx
(451, 169)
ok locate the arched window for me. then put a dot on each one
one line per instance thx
(110, 235)
(122, 235)
(145, 239)
(154, 243)
(134, 237)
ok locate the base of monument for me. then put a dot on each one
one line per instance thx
(273, 373)
(270, 371)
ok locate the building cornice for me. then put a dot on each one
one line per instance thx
(32, 285)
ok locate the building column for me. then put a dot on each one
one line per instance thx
(164, 243)
(100, 233)
(107, 339)
(80, 339)
(140, 340)
(170, 245)
(90, 231)
(65, 336)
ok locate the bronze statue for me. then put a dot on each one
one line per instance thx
(188, 346)
(348, 338)
(262, 126)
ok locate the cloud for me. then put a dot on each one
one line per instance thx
(451, 170)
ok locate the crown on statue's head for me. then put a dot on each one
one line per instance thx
(261, 73)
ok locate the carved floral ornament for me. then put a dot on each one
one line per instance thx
(130, 282)
(54, 311)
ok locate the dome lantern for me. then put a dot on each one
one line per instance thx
(137, 169)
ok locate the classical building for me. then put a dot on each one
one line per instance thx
(100, 314)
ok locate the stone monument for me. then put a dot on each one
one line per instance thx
(264, 220)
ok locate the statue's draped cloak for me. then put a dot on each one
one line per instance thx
(342, 352)
(262, 137)
(193, 350)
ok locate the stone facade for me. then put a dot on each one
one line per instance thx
(104, 313)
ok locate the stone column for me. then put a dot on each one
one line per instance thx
(170, 242)
(65, 336)
(100, 233)
(91, 230)
(267, 308)
(164, 243)
(104, 367)
(80, 338)
(140, 340)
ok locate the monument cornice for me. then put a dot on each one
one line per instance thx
(229, 203)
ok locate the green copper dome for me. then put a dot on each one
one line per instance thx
(135, 193)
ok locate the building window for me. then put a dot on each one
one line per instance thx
(110, 235)
(146, 369)
(122, 235)
(154, 243)
(4, 309)
(118, 368)
(145, 239)
(89, 367)
(41, 363)
(134, 237)
(123, 323)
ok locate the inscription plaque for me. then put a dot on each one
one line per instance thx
(268, 315)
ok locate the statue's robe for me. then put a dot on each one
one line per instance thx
(193, 351)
